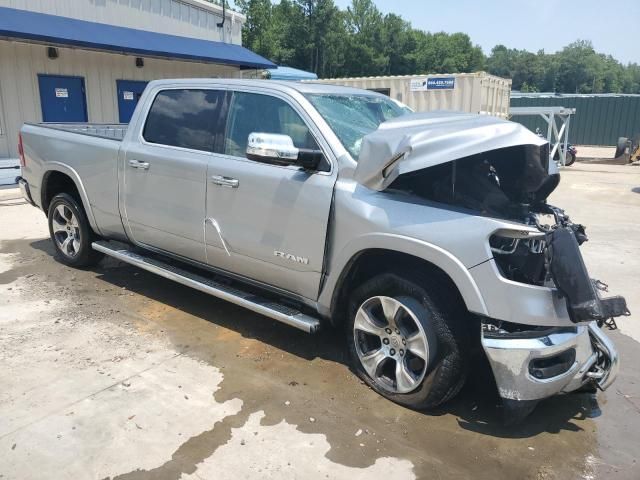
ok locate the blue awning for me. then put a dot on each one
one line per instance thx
(63, 31)
(288, 73)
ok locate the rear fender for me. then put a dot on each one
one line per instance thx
(71, 173)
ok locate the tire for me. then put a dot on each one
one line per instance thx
(570, 160)
(621, 147)
(71, 233)
(438, 317)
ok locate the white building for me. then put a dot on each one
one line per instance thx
(89, 60)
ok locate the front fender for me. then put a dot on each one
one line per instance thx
(438, 256)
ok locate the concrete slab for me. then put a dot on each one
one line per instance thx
(606, 199)
(590, 152)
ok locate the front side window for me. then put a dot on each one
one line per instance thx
(351, 117)
(254, 112)
(184, 118)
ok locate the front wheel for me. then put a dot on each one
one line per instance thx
(70, 232)
(405, 341)
(570, 159)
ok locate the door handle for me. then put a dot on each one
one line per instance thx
(225, 181)
(139, 164)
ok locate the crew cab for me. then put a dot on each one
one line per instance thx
(418, 236)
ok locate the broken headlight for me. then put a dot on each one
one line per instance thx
(520, 255)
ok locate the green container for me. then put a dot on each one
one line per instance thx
(599, 119)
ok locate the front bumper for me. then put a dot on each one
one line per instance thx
(24, 190)
(532, 365)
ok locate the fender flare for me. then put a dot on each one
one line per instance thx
(71, 173)
(433, 254)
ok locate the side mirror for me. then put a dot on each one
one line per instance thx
(279, 149)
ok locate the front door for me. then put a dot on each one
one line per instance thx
(264, 221)
(165, 173)
(62, 98)
(129, 93)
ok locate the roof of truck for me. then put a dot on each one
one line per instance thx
(282, 85)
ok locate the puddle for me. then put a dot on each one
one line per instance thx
(282, 451)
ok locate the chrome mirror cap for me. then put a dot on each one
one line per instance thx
(271, 147)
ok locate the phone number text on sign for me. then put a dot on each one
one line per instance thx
(435, 83)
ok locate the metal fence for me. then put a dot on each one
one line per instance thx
(599, 119)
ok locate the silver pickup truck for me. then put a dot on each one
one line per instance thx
(422, 238)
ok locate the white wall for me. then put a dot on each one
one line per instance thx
(187, 18)
(20, 64)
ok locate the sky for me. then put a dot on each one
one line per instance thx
(611, 25)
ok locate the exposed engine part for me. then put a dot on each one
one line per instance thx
(513, 183)
(503, 183)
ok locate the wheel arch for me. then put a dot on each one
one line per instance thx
(61, 178)
(381, 256)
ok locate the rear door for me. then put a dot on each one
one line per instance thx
(165, 171)
(62, 98)
(129, 93)
(264, 221)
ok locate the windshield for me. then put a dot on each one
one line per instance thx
(351, 117)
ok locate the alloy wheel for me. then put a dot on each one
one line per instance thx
(391, 344)
(66, 231)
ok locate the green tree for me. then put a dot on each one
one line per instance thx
(256, 31)
(398, 42)
(364, 52)
(446, 53)
(360, 41)
(320, 17)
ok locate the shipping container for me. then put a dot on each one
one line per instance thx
(468, 92)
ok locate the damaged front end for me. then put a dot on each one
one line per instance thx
(530, 364)
(533, 364)
(497, 169)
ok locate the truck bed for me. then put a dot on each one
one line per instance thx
(85, 152)
(112, 131)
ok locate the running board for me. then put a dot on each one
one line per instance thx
(253, 302)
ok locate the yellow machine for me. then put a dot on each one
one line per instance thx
(629, 149)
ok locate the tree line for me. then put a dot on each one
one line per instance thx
(317, 36)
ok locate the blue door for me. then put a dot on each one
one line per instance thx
(129, 92)
(62, 98)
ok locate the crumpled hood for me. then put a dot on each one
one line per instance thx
(421, 140)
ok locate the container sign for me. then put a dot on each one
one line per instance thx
(441, 83)
(62, 93)
(418, 84)
(434, 83)
(127, 95)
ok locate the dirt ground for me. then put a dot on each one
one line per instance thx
(116, 373)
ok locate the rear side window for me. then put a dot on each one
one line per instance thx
(254, 112)
(185, 118)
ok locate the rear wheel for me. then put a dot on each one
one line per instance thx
(405, 341)
(71, 233)
(570, 159)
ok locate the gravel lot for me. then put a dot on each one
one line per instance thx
(116, 373)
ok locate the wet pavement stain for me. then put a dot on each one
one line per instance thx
(293, 377)
(185, 459)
